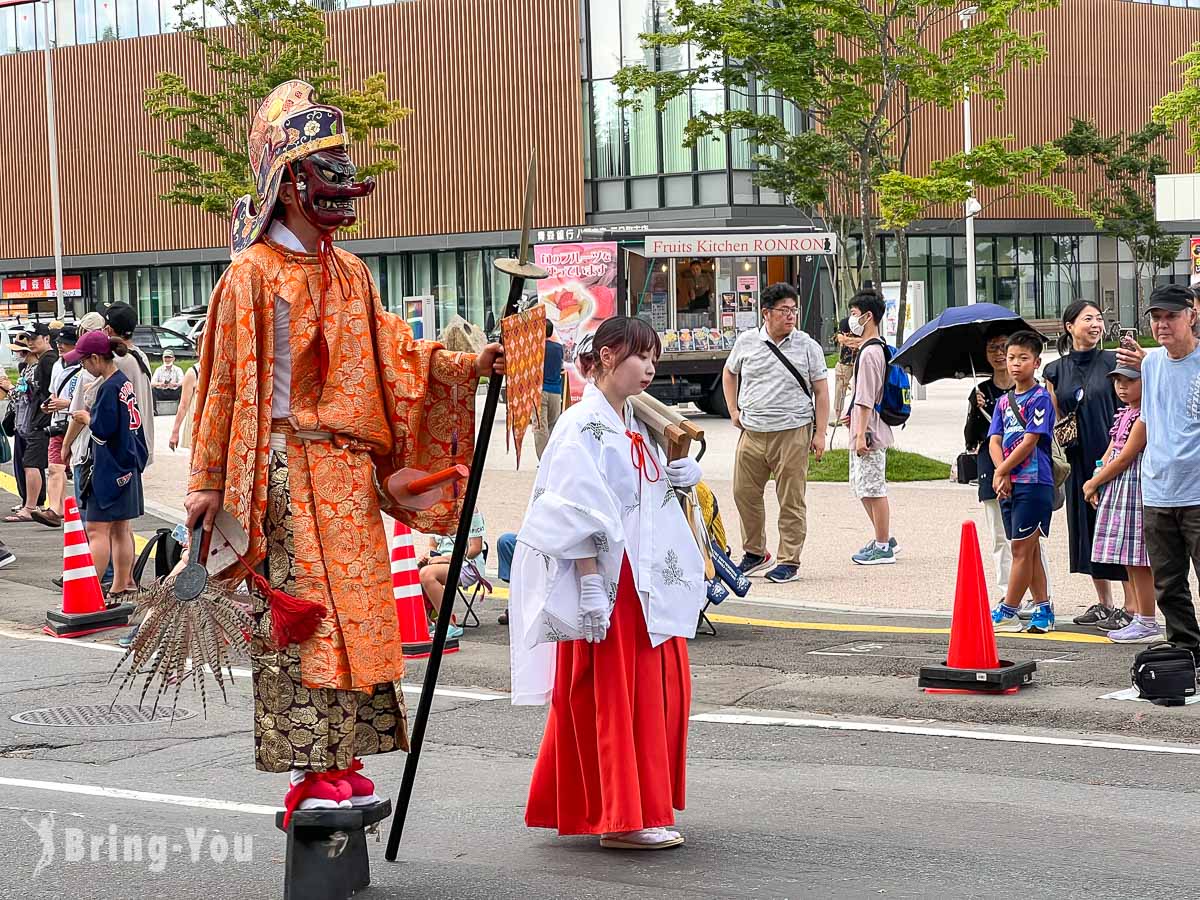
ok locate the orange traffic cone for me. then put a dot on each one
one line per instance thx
(83, 609)
(972, 664)
(410, 605)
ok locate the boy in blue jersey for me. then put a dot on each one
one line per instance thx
(1020, 441)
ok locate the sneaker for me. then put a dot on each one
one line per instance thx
(1139, 631)
(125, 641)
(874, 556)
(1004, 619)
(1025, 610)
(6, 558)
(752, 563)
(1092, 614)
(892, 545)
(453, 633)
(783, 573)
(58, 582)
(1042, 621)
(1115, 620)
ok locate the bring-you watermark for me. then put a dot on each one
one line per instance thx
(66, 845)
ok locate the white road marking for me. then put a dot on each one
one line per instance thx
(92, 790)
(451, 693)
(889, 728)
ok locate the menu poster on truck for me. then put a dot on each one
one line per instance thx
(747, 305)
(580, 293)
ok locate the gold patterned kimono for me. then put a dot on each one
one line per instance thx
(391, 401)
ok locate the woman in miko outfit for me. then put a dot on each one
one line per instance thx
(607, 568)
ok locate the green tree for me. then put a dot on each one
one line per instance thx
(1123, 207)
(860, 69)
(267, 43)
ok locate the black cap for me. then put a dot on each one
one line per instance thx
(37, 328)
(1173, 297)
(68, 334)
(121, 318)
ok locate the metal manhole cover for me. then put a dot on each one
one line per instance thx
(99, 716)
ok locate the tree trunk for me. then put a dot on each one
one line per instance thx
(902, 302)
(871, 250)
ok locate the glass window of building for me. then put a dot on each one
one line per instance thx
(149, 20)
(675, 116)
(27, 26)
(422, 276)
(8, 30)
(397, 282)
(609, 162)
(85, 21)
(127, 18)
(106, 20)
(643, 136)
(604, 29)
(637, 17)
(476, 300)
(168, 15)
(64, 23)
(445, 292)
(710, 151)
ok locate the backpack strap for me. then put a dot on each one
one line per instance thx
(1016, 407)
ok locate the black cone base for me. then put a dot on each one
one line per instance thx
(66, 625)
(1007, 678)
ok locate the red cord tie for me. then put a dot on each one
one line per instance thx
(293, 620)
(639, 454)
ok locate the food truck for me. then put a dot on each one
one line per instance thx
(698, 287)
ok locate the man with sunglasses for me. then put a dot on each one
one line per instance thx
(776, 386)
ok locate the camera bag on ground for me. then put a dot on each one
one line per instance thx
(1164, 674)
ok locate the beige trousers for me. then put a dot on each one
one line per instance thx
(551, 408)
(784, 455)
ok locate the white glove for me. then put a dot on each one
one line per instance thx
(684, 472)
(593, 608)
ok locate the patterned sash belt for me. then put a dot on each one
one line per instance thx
(286, 427)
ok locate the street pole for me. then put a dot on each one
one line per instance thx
(52, 142)
(972, 205)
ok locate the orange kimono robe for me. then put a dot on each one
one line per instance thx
(392, 401)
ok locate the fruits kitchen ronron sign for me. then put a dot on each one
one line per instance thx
(579, 293)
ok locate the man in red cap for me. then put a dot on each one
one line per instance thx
(310, 396)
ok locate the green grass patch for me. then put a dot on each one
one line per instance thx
(901, 466)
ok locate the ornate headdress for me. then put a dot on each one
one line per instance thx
(289, 125)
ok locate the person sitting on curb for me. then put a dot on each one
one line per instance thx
(435, 568)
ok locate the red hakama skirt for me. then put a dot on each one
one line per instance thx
(615, 750)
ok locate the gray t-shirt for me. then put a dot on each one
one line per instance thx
(769, 397)
(1171, 411)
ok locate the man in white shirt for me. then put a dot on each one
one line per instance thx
(168, 375)
(776, 387)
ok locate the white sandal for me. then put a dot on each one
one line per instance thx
(643, 839)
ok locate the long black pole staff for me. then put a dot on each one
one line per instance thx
(520, 270)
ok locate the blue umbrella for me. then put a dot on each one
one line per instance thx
(955, 343)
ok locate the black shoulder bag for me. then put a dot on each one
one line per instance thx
(783, 359)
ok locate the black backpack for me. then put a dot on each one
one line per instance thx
(1164, 674)
(167, 553)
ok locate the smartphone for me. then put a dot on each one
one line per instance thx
(1129, 337)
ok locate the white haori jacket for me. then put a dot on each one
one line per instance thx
(591, 499)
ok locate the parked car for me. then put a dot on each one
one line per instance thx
(189, 322)
(10, 328)
(154, 339)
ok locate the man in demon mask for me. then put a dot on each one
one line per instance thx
(310, 396)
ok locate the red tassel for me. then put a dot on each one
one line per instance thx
(293, 621)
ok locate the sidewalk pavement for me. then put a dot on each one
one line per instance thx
(927, 516)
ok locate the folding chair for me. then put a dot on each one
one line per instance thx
(480, 590)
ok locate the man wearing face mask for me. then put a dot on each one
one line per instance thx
(870, 436)
(310, 396)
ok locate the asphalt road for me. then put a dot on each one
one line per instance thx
(774, 812)
(1019, 796)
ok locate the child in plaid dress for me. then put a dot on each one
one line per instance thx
(1116, 491)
